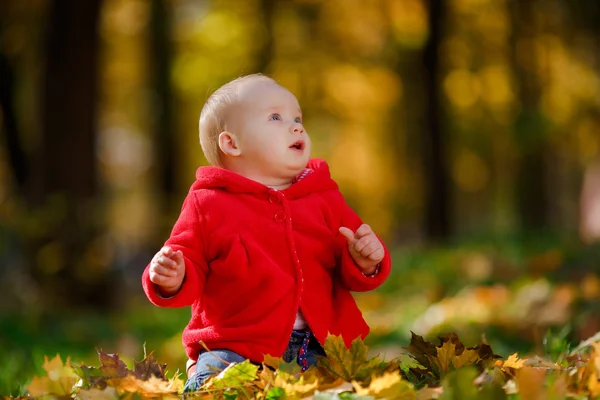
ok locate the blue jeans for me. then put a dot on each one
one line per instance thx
(210, 363)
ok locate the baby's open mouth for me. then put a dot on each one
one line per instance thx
(299, 145)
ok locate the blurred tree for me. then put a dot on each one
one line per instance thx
(434, 146)
(66, 184)
(10, 128)
(160, 66)
(265, 54)
(530, 127)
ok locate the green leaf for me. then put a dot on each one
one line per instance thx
(458, 385)
(90, 377)
(230, 395)
(275, 393)
(235, 375)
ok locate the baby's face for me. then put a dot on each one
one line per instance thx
(267, 120)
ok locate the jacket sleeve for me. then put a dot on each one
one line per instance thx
(350, 274)
(187, 236)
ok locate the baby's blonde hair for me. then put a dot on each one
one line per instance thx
(214, 115)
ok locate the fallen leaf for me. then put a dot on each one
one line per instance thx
(59, 379)
(348, 364)
(389, 386)
(530, 382)
(513, 362)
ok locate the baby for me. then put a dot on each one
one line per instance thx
(265, 250)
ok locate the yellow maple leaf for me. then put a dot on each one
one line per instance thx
(594, 368)
(466, 358)
(273, 362)
(444, 357)
(513, 362)
(428, 393)
(594, 385)
(290, 383)
(59, 380)
(348, 363)
(295, 387)
(107, 393)
(153, 386)
(388, 386)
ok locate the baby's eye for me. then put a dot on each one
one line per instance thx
(275, 117)
(298, 120)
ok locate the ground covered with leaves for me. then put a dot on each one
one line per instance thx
(443, 370)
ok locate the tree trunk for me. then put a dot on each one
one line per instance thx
(16, 154)
(434, 154)
(69, 99)
(265, 55)
(67, 183)
(160, 64)
(532, 186)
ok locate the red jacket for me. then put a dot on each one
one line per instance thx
(254, 255)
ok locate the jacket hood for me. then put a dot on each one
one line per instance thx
(218, 178)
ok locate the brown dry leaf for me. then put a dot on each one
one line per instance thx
(421, 350)
(389, 386)
(530, 382)
(148, 367)
(112, 366)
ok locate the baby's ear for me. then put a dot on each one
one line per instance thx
(228, 144)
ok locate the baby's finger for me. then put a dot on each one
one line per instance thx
(161, 280)
(348, 234)
(363, 242)
(167, 251)
(166, 262)
(177, 257)
(163, 271)
(377, 255)
(369, 249)
(362, 231)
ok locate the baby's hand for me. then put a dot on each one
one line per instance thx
(365, 248)
(167, 270)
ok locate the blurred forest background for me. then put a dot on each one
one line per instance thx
(466, 132)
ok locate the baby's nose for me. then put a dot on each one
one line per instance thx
(297, 128)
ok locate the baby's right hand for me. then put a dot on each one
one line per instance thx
(167, 270)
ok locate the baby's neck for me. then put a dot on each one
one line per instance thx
(278, 183)
(280, 187)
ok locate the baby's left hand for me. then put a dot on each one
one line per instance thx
(365, 248)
